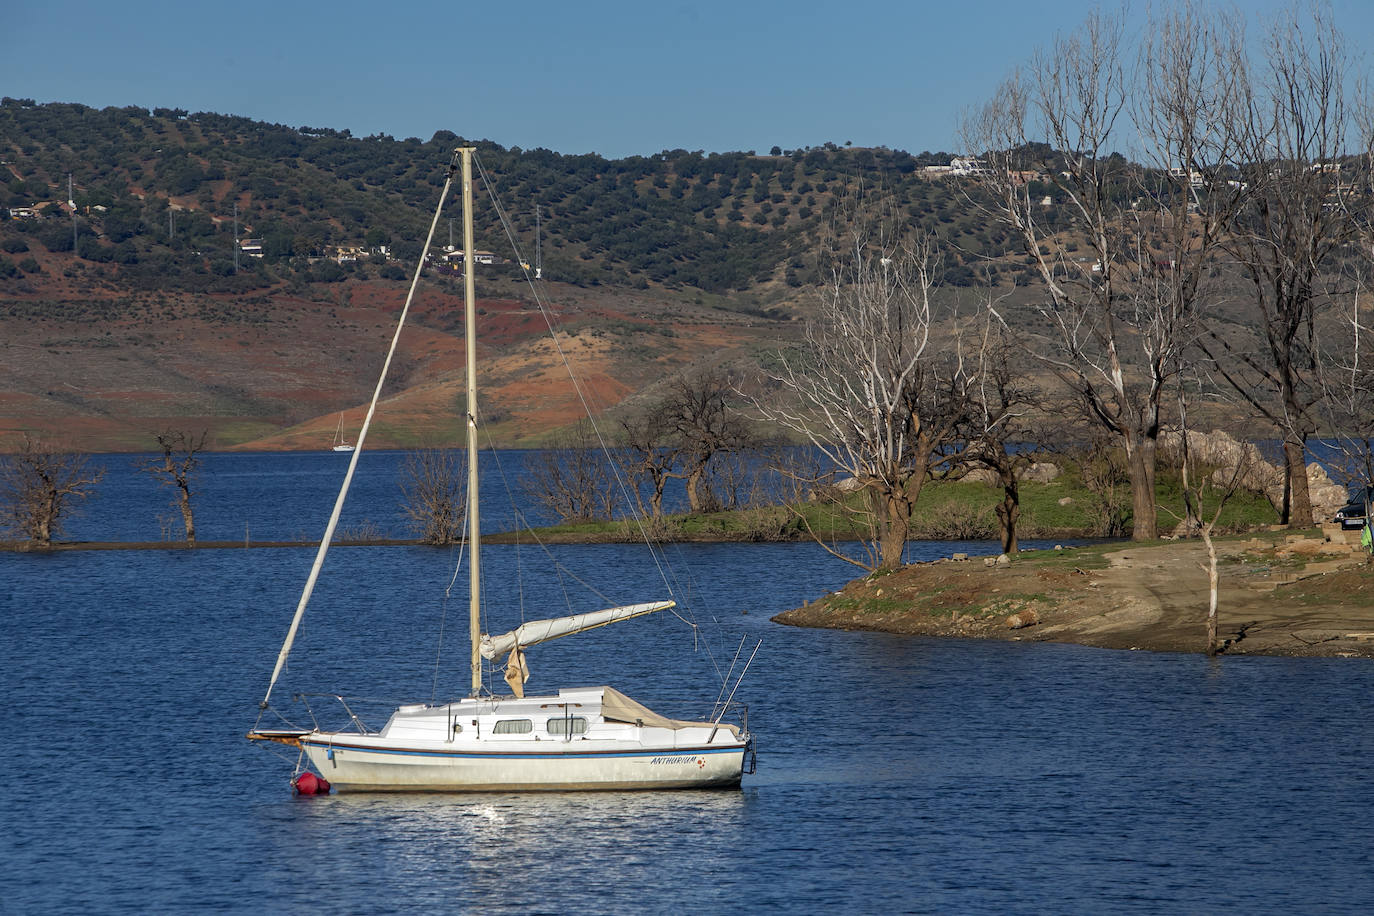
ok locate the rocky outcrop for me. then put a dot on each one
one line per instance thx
(1225, 452)
(1040, 472)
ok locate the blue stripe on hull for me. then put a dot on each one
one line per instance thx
(498, 755)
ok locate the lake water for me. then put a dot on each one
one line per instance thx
(895, 774)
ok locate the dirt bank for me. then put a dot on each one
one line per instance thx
(1280, 594)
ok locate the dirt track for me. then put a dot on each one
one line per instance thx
(1278, 595)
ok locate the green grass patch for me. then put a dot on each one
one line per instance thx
(945, 510)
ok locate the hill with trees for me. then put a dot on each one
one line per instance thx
(159, 194)
(161, 267)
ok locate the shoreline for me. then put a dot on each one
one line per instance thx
(1280, 593)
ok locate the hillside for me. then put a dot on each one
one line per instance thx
(170, 182)
(195, 270)
(131, 315)
(274, 371)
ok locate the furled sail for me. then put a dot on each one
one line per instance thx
(537, 631)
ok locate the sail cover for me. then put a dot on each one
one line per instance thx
(616, 707)
(537, 631)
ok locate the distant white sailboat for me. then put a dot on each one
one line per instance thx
(339, 444)
(579, 738)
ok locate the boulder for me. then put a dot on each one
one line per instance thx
(1040, 472)
(1258, 475)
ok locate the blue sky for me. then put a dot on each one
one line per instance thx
(617, 78)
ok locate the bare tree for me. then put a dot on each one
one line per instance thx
(1292, 132)
(697, 410)
(38, 486)
(1000, 423)
(871, 390)
(573, 479)
(1118, 321)
(1347, 381)
(175, 468)
(1198, 486)
(650, 454)
(433, 482)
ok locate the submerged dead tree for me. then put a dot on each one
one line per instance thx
(38, 486)
(574, 478)
(175, 468)
(432, 484)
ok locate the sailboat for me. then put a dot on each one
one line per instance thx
(339, 444)
(577, 738)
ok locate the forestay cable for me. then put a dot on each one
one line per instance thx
(362, 437)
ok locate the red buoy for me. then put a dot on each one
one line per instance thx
(308, 783)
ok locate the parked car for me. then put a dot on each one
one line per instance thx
(1352, 514)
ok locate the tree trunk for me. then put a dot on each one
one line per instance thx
(1144, 513)
(1009, 512)
(1211, 590)
(186, 517)
(656, 500)
(42, 524)
(693, 483)
(896, 523)
(1295, 469)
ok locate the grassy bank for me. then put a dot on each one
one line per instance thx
(946, 510)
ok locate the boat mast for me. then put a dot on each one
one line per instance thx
(470, 344)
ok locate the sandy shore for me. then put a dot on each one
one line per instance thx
(1279, 594)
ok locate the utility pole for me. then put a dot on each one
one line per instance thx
(236, 236)
(71, 202)
(538, 250)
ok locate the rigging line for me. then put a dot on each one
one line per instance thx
(510, 500)
(520, 518)
(461, 546)
(725, 683)
(358, 448)
(523, 524)
(439, 649)
(567, 364)
(443, 618)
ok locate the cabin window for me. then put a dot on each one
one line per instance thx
(513, 727)
(560, 726)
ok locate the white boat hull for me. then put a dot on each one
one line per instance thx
(350, 765)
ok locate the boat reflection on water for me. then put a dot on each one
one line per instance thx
(525, 852)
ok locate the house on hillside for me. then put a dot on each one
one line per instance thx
(345, 254)
(251, 247)
(1193, 176)
(455, 256)
(23, 213)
